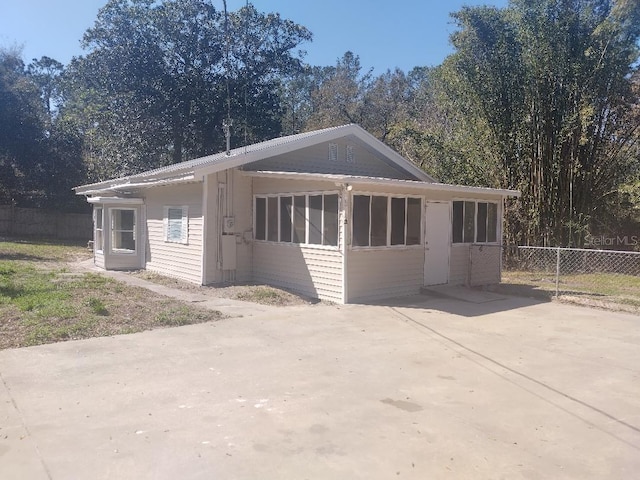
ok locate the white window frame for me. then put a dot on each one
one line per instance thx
(388, 245)
(184, 226)
(98, 246)
(114, 231)
(306, 243)
(475, 221)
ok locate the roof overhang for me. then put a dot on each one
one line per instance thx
(116, 200)
(411, 185)
(126, 184)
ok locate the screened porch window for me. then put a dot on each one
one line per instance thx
(475, 222)
(310, 219)
(123, 230)
(380, 220)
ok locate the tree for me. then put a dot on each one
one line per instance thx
(46, 73)
(339, 97)
(551, 81)
(21, 128)
(160, 78)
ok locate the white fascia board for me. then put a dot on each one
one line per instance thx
(409, 184)
(114, 186)
(116, 200)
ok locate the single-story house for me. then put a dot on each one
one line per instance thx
(333, 214)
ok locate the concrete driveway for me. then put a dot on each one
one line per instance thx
(418, 388)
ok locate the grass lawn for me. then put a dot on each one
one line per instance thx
(593, 288)
(42, 300)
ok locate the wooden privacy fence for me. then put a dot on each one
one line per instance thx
(32, 222)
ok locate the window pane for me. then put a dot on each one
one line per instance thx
(174, 224)
(482, 222)
(492, 223)
(330, 220)
(378, 221)
(124, 219)
(414, 215)
(361, 220)
(261, 218)
(98, 234)
(272, 219)
(469, 221)
(458, 211)
(123, 230)
(299, 223)
(286, 218)
(124, 240)
(398, 214)
(315, 219)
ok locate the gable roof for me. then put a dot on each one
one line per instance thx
(194, 170)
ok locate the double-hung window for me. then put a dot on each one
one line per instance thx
(176, 224)
(475, 222)
(99, 228)
(310, 219)
(123, 230)
(380, 220)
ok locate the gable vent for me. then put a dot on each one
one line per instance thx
(351, 158)
(333, 152)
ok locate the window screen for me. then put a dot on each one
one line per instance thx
(361, 222)
(299, 222)
(286, 218)
(414, 216)
(398, 216)
(315, 219)
(378, 221)
(272, 219)
(469, 219)
(261, 218)
(492, 222)
(481, 229)
(330, 210)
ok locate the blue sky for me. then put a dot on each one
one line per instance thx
(385, 34)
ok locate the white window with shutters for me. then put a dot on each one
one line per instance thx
(176, 224)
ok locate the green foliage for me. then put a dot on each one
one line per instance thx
(40, 155)
(160, 78)
(551, 80)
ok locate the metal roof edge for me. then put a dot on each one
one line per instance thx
(362, 180)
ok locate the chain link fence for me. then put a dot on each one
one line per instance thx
(608, 275)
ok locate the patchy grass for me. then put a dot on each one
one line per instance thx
(594, 289)
(262, 294)
(41, 250)
(41, 301)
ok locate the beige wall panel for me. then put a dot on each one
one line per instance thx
(312, 272)
(377, 274)
(175, 259)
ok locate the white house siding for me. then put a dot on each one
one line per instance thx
(315, 159)
(175, 259)
(314, 272)
(98, 259)
(376, 274)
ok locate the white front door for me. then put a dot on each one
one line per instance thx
(436, 243)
